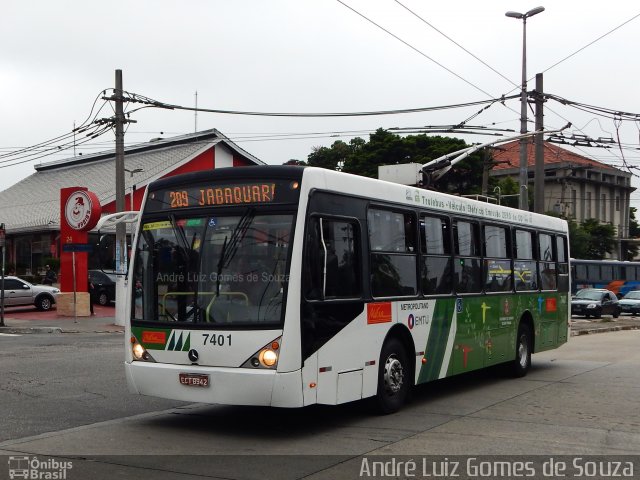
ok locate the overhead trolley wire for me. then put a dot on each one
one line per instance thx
(456, 43)
(136, 98)
(415, 49)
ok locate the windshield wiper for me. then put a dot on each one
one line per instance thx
(187, 253)
(231, 244)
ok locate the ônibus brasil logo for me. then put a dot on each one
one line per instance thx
(34, 468)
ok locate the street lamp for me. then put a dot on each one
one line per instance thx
(524, 177)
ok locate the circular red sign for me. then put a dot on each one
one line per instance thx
(82, 210)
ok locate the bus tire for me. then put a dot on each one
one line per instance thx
(520, 366)
(393, 377)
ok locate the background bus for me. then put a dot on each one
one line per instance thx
(289, 286)
(619, 277)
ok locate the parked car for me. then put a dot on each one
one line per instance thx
(21, 292)
(104, 287)
(595, 302)
(631, 302)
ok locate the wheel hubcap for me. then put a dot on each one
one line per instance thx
(393, 375)
(523, 351)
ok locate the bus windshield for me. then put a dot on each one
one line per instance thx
(226, 270)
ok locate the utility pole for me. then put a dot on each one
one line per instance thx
(538, 193)
(121, 229)
(121, 241)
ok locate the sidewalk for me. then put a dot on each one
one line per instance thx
(24, 320)
(581, 326)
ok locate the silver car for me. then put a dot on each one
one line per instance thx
(631, 302)
(21, 292)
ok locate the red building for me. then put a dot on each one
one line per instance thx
(30, 209)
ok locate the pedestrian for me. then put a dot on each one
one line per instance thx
(49, 276)
(91, 290)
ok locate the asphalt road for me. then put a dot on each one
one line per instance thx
(53, 382)
(581, 399)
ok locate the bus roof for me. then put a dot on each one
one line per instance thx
(418, 197)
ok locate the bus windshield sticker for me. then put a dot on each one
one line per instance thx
(156, 225)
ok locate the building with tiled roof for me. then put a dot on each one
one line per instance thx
(30, 209)
(576, 186)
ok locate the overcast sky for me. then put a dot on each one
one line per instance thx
(309, 56)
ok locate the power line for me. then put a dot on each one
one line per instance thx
(136, 98)
(456, 43)
(591, 43)
(415, 49)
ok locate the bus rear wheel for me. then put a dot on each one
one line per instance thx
(394, 378)
(520, 366)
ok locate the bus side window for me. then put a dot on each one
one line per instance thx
(332, 259)
(563, 264)
(547, 265)
(525, 270)
(467, 271)
(436, 277)
(392, 237)
(498, 271)
(314, 261)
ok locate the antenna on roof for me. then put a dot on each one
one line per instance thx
(74, 138)
(195, 113)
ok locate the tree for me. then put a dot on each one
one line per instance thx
(363, 157)
(294, 161)
(602, 239)
(507, 186)
(579, 239)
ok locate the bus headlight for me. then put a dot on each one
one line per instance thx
(139, 352)
(266, 357)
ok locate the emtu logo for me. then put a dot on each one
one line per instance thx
(411, 321)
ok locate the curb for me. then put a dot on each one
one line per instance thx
(51, 330)
(29, 330)
(590, 331)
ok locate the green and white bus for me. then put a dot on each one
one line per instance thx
(290, 286)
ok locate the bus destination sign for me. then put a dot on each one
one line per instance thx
(190, 196)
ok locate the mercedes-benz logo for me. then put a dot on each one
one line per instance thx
(193, 355)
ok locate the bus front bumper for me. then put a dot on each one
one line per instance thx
(227, 386)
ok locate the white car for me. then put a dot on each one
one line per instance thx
(21, 292)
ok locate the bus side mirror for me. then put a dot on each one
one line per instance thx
(106, 232)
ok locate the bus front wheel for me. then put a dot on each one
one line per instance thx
(522, 363)
(393, 377)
